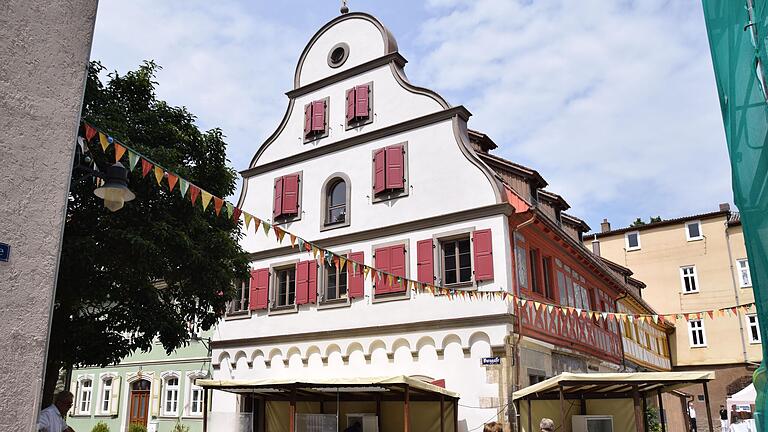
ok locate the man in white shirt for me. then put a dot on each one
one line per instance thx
(692, 415)
(51, 419)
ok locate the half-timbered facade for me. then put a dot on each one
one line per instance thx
(386, 173)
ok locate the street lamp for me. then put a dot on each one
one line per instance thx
(115, 190)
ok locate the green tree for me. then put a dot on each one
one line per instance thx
(638, 222)
(158, 269)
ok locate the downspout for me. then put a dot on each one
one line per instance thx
(621, 336)
(517, 312)
(735, 291)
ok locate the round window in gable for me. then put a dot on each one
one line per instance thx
(338, 55)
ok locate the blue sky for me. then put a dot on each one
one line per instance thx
(613, 102)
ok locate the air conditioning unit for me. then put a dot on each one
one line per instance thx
(369, 422)
(316, 423)
(592, 423)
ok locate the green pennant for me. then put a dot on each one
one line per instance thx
(266, 227)
(300, 242)
(230, 209)
(133, 159)
(183, 186)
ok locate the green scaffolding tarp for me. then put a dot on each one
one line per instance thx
(738, 32)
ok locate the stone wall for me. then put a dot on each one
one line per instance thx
(44, 48)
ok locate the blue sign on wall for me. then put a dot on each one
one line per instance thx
(5, 252)
(491, 361)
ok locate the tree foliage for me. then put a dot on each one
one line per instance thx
(158, 269)
(639, 222)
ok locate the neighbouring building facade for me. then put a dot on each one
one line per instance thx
(386, 173)
(152, 389)
(692, 264)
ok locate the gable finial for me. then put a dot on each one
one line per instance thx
(344, 8)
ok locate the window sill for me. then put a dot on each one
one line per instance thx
(282, 310)
(755, 342)
(287, 219)
(237, 316)
(334, 304)
(315, 136)
(193, 416)
(383, 298)
(699, 346)
(745, 286)
(105, 415)
(358, 122)
(634, 249)
(168, 417)
(333, 226)
(693, 239)
(691, 292)
(390, 195)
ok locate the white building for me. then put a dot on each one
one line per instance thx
(365, 163)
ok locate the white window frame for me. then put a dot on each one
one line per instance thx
(695, 279)
(688, 233)
(108, 398)
(750, 325)
(691, 330)
(191, 388)
(740, 269)
(166, 388)
(626, 241)
(81, 392)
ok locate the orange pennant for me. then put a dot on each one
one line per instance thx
(217, 203)
(172, 181)
(194, 192)
(119, 152)
(145, 167)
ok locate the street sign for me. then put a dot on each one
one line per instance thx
(5, 252)
(491, 361)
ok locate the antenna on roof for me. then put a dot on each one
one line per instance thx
(344, 8)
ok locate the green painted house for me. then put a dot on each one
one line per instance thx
(152, 389)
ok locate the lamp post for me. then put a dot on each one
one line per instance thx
(114, 191)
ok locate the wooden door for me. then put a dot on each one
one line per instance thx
(139, 400)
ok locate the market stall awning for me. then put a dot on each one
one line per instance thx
(610, 385)
(309, 388)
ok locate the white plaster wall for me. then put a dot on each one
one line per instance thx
(365, 44)
(392, 104)
(452, 354)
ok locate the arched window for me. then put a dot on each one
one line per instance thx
(106, 394)
(171, 396)
(336, 202)
(86, 391)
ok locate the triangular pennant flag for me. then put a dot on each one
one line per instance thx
(159, 174)
(354, 267)
(300, 243)
(119, 152)
(711, 314)
(133, 159)
(229, 208)
(104, 140)
(578, 311)
(172, 181)
(258, 223)
(329, 258)
(90, 132)
(145, 167)
(583, 314)
(194, 191)
(247, 217)
(687, 316)
(549, 308)
(279, 234)
(536, 305)
(183, 186)
(206, 198)
(266, 226)
(293, 240)
(605, 315)
(236, 212)
(366, 269)
(656, 319)
(342, 263)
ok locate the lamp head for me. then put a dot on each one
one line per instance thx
(115, 190)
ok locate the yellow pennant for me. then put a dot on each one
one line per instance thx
(206, 198)
(293, 240)
(247, 217)
(104, 141)
(158, 174)
(366, 269)
(342, 263)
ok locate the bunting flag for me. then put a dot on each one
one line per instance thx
(133, 159)
(159, 174)
(145, 167)
(377, 275)
(119, 152)
(172, 179)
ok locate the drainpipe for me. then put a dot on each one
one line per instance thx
(621, 336)
(519, 320)
(735, 291)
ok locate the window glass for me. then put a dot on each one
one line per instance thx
(696, 333)
(633, 240)
(754, 329)
(689, 282)
(521, 263)
(195, 399)
(106, 394)
(694, 230)
(335, 282)
(286, 286)
(337, 203)
(456, 261)
(571, 298)
(240, 302)
(171, 395)
(86, 391)
(745, 279)
(535, 283)
(546, 264)
(561, 286)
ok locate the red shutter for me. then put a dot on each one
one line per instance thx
(355, 279)
(350, 104)
(382, 262)
(290, 204)
(395, 167)
(259, 289)
(302, 282)
(397, 267)
(483, 254)
(425, 268)
(277, 207)
(312, 283)
(361, 101)
(307, 119)
(379, 170)
(318, 116)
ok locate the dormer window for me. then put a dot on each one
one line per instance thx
(316, 120)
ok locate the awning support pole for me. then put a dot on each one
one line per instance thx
(645, 412)
(378, 411)
(662, 415)
(562, 406)
(205, 410)
(292, 412)
(638, 409)
(442, 413)
(406, 410)
(709, 409)
(456, 415)
(530, 417)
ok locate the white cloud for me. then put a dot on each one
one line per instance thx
(614, 103)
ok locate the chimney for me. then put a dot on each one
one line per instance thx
(605, 226)
(724, 207)
(596, 246)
